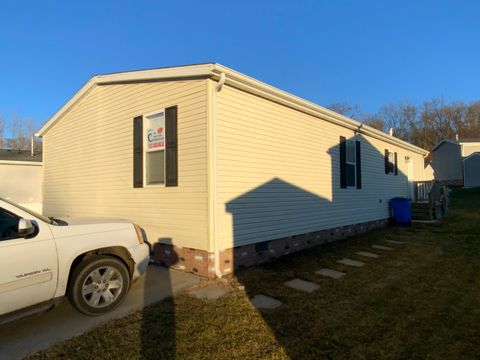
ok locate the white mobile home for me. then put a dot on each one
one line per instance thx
(21, 176)
(220, 169)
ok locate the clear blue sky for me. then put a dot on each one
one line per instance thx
(364, 52)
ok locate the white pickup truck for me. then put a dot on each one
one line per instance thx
(92, 261)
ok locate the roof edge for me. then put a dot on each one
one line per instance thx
(252, 85)
(455, 142)
(235, 79)
(140, 75)
(476, 153)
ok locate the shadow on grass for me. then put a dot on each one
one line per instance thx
(158, 328)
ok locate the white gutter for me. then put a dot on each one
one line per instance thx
(251, 85)
(24, 163)
(235, 79)
(190, 71)
(218, 88)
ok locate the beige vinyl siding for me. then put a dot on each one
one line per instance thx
(470, 148)
(277, 172)
(21, 182)
(89, 161)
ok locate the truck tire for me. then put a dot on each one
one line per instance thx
(98, 284)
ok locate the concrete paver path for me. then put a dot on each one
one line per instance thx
(302, 285)
(334, 274)
(209, 292)
(265, 302)
(367, 254)
(396, 242)
(350, 262)
(381, 247)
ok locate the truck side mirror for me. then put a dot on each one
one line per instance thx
(25, 227)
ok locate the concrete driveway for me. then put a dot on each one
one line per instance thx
(29, 335)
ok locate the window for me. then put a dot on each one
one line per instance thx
(8, 225)
(351, 164)
(391, 162)
(154, 145)
(155, 149)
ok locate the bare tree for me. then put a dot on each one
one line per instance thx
(400, 117)
(374, 121)
(22, 130)
(344, 108)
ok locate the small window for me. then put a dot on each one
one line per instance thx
(8, 225)
(391, 162)
(351, 163)
(154, 145)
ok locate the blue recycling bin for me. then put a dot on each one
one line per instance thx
(402, 210)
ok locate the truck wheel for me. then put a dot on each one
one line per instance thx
(98, 285)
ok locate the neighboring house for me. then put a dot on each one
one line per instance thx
(453, 163)
(471, 170)
(21, 176)
(220, 169)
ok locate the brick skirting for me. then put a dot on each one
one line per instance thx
(203, 263)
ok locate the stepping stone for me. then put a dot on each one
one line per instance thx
(381, 247)
(302, 285)
(265, 302)
(210, 292)
(367, 254)
(334, 274)
(350, 262)
(396, 242)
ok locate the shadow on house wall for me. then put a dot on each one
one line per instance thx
(298, 219)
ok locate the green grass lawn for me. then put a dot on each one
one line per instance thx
(420, 300)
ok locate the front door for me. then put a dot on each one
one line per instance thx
(410, 177)
(28, 266)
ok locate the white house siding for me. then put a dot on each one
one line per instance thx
(21, 182)
(429, 173)
(89, 160)
(447, 162)
(277, 172)
(470, 148)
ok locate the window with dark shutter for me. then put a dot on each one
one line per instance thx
(171, 169)
(391, 162)
(351, 163)
(138, 152)
(387, 162)
(343, 162)
(358, 164)
(396, 164)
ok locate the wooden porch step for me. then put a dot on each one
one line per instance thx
(422, 211)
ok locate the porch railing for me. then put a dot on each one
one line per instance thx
(421, 190)
(434, 194)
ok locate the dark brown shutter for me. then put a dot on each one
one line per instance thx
(387, 163)
(343, 162)
(138, 152)
(171, 151)
(396, 166)
(358, 164)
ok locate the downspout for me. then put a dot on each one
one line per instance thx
(218, 88)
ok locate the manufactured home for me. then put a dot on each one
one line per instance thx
(21, 176)
(455, 162)
(221, 170)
